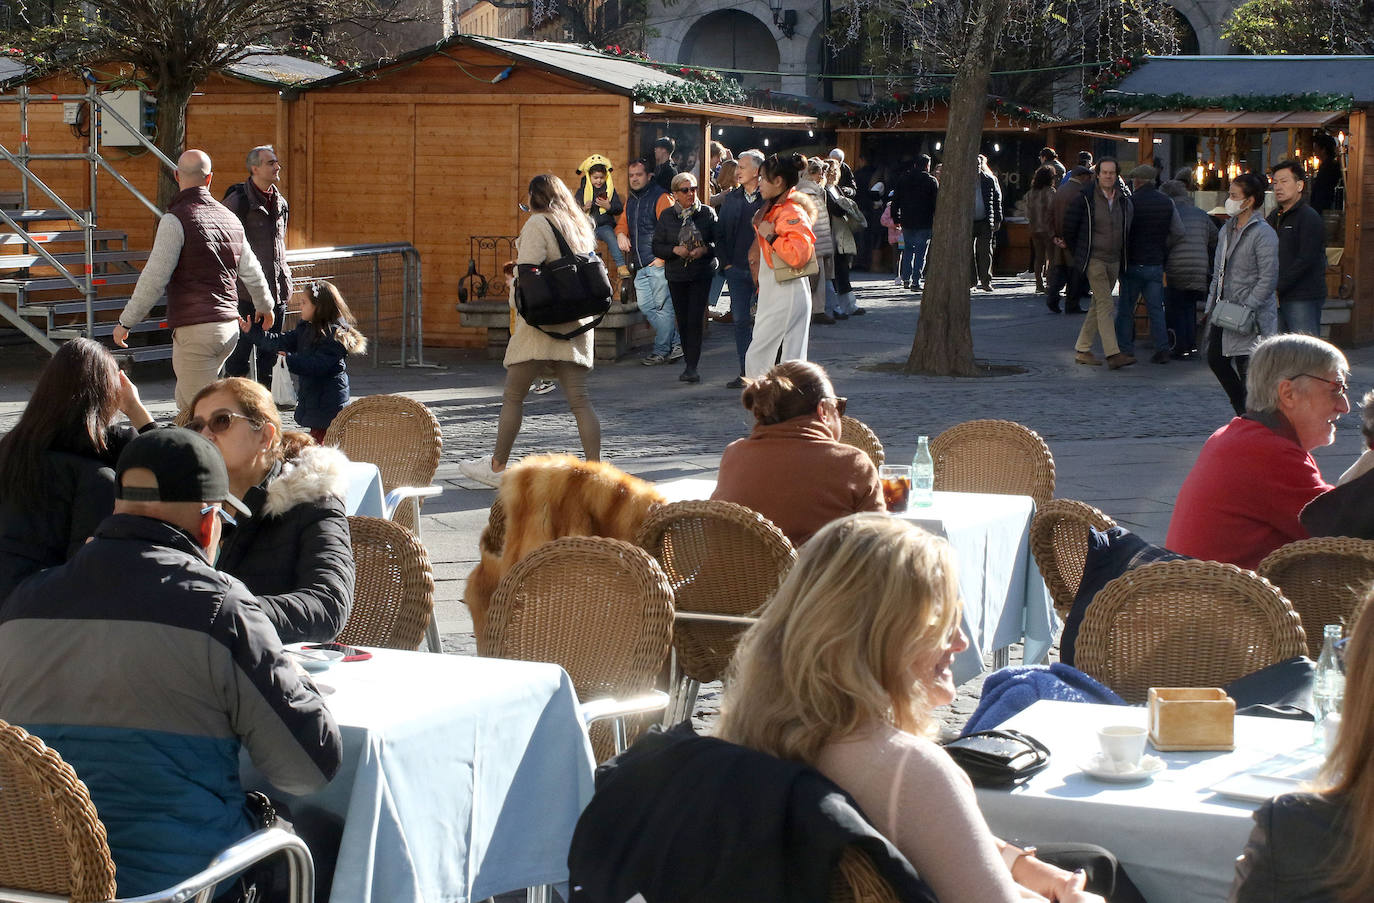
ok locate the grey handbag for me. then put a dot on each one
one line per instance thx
(1235, 317)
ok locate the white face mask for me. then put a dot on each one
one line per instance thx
(1233, 207)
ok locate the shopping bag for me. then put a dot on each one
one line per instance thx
(283, 390)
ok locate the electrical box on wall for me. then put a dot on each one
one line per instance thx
(71, 113)
(129, 105)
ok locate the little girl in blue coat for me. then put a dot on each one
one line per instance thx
(315, 352)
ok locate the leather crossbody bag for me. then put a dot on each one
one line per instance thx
(1228, 314)
(998, 758)
(785, 272)
(563, 290)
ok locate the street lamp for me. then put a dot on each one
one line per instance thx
(784, 19)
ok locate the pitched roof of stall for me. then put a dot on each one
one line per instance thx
(1254, 76)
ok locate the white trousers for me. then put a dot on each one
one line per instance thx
(783, 321)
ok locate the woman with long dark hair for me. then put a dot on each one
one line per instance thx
(56, 466)
(530, 350)
(785, 241)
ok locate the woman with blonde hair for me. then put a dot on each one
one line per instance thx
(531, 350)
(1318, 846)
(843, 671)
(294, 552)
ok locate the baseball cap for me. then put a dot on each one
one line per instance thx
(187, 466)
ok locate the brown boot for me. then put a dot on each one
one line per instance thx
(1119, 360)
(1087, 357)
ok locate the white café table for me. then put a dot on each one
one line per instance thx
(462, 777)
(1177, 840)
(1005, 600)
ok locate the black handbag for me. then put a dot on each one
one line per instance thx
(560, 291)
(998, 758)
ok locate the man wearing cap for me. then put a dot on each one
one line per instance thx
(663, 161)
(147, 670)
(1155, 228)
(198, 255)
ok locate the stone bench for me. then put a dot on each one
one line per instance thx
(623, 329)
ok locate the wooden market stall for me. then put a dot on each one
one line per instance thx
(437, 148)
(1239, 114)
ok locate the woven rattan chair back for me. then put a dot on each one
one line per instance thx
(856, 433)
(601, 608)
(1059, 542)
(1185, 624)
(855, 880)
(1324, 578)
(994, 456)
(393, 594)
(493, 537)
(396, 433)
(721, 559)
(51, 839)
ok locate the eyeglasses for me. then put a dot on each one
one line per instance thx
(1340, 385)
(221, 513)
(840, 403)
(219, 422)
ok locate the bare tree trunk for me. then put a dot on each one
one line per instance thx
(172, 97)
(944, 337)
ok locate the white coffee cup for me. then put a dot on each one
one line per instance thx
(1122, 744)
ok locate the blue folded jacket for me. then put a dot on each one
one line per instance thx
(1010, 690)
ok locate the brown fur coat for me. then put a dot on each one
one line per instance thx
(548, 497)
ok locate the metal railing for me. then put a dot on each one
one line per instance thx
(381, 284)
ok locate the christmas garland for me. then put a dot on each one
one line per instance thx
(1107, 78)
(900, 103)
(689, 92)
(691, 73)
(1249, 103)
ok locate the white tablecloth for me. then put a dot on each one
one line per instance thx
(1177, 840)
(364, 490)
(462, 777)
(1005, 600)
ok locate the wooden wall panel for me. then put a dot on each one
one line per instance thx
(460, 70)
(362, 165)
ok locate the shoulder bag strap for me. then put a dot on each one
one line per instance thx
(558, 236)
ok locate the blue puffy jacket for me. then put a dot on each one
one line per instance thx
(318, 359)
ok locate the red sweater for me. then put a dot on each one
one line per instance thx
(795, 474)
(1242, 498)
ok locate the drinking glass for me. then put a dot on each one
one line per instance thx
(896, 480)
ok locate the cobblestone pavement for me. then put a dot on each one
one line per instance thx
(1122, 440)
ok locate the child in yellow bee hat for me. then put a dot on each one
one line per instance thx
(602, 203)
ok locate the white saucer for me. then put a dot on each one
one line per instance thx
(1098, 767)
(314, 660)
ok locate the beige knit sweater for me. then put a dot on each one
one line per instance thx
(537, 244)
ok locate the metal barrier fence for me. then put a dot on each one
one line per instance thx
(381, 284)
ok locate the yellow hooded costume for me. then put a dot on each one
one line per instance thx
(588, 190)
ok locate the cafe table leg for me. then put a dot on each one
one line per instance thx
(541, 894)
(1001, 658)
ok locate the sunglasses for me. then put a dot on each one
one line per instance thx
(218, 422)
(840, 403)
(221, 513)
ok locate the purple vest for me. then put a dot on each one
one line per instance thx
(202, 288)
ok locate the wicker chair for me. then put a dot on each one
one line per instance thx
(601, 608)
(995, 456)
(1059, 542)
(1324, 578)
(1185, 624)
(856, 433)
(721, 559)
(855, 880)
(53, 842)
(401, 436)
(493, 537)
(393, 597)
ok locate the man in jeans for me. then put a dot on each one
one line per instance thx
(913, 209)
(1155, 228)
(735, 236)
(1302, 252)
(635, 235)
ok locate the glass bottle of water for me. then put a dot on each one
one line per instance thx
(1328, 686)
(923, 475)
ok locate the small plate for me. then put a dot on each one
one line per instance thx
(1097, 767)
(314, 660)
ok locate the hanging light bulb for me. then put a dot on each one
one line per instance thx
(1197, 175)
(996, 148)
(765, 142)
(937, 145)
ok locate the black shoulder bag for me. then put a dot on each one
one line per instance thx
(560, 291)
(998, 758)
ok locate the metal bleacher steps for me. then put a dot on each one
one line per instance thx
(57, 309)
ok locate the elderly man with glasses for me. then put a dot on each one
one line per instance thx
(1243, 497)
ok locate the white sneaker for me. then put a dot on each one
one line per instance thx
(675, 354)
(480, 471)
(543, 386)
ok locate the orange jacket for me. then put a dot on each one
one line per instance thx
(794, 241)
(665, 201)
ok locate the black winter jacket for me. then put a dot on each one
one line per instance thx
(295, 553)
(992, 199)
(666, 237)
(1302, 253)
(691, 819)
(1078, 224)
(913, 203)
(264, 225)
(735, 227)
(1288, 856)
(79, 492)
(602, 216)
(1155, 227)
(319, 362)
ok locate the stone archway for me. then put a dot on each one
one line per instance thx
(1203, 19)
(733, 39)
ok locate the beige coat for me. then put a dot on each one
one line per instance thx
(537, 244)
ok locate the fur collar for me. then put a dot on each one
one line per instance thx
(315, 474)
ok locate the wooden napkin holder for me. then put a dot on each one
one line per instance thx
(1191, 718)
